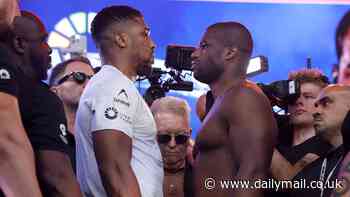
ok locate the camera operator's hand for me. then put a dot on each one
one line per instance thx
(345, 131)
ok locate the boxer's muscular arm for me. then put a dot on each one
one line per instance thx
(252, 135)
(117, 175)
(17, 167)
(56, 173)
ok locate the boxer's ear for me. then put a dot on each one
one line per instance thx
(230, 53)
(19, 44)
(121, 39)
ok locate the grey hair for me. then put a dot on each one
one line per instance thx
(173, 105)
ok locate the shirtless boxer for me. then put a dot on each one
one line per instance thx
(238, 135)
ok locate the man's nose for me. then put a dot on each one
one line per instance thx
(316, 114)
(172, 143)
(153, 44)
(194, 54)
(299, 101)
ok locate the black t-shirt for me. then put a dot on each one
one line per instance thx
(312, 172)
(285, 130)
(293, 154)
(314, 145)
(41, 111)
(48, 125)
(8, 81)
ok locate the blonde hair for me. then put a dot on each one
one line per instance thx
(173, 105)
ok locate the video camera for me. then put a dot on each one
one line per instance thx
(178, 59)
(285, 92)
(281, 93)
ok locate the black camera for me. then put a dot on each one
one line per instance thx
(179, 57)
(282, 93)
(178, 60)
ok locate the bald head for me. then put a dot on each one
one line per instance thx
(337, 88)
(30, 45)
(341, 92)
(224, 48)
(334, 94)
(233, 34)
(27, 24)
(332, 105)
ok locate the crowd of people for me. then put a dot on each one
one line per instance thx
(91, 134)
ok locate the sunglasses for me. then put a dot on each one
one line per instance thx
(166, 138)
(78, 77)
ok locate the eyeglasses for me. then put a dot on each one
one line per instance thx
(166, 138)
(78, 77)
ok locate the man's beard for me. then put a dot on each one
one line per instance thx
(207, 77)
(144, 70)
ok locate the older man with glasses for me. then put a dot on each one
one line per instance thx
(172, 116)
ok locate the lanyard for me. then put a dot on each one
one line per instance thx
(323, 173)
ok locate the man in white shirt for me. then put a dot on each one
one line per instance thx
(117, 151)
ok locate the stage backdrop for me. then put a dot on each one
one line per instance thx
(285, 31)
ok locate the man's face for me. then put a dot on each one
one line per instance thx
(174, 151)
(142, 45)
(38, 50)
(70, 90)
(206, 59)
(331, 108)
(344, 62)
(302, 110)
